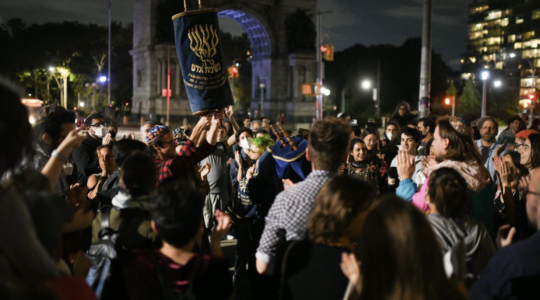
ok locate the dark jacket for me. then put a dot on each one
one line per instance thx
(86, 159)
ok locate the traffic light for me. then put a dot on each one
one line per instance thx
(447, 101)
(233, 72)
(327, 52)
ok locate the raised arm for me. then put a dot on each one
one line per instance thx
(230, 114)
(54, 166)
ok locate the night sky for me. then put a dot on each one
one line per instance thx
(366, 22)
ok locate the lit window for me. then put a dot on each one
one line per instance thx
(536, 14)
(496, 14)
(519, 21)
(504, 22)
(512, 38)
(518, 46)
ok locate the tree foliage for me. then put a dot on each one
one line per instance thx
(470, 99)
(29, 51)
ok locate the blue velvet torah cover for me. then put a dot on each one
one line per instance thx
(291, 164)
(198, 46)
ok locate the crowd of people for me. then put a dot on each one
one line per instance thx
(419, 210)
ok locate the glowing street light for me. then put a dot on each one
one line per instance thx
(485, 75)
(497, 83)
(366, 84)
(325, 91)
(102, 79)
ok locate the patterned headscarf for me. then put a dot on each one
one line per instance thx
(156, 132)
(459, 125)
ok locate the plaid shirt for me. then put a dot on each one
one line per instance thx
(287, 218)
(179, 166)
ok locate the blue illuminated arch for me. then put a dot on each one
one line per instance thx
(257, 34)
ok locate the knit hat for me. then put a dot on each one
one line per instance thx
(524, 134)
(156, 132)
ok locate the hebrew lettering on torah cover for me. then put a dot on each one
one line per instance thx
(203, 42)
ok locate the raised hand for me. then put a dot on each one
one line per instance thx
(204, 170)
(229, 111)
(506, 174)
(223, 221)
(501, 148)
(505, 235)
(405, 165)
(106, 139)
(73, 139)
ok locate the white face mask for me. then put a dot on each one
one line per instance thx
(246, 144)
(100, 132)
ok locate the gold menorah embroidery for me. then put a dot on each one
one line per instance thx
(203, 41)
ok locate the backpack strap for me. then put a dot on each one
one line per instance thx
(105, 231)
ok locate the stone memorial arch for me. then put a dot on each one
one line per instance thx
(280, 70)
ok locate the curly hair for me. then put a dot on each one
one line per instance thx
(262, 143)
(339, 202)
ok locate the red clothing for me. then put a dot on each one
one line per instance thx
(71, 288)
(211, 282)
(179, 166)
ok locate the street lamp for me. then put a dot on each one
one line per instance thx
(325, 91)
(497, 83)
(366, 85)
(101, 79)
(485, 76)
(512, 55)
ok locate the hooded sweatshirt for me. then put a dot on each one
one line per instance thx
(479, 246)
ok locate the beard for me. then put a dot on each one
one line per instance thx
(488, 138)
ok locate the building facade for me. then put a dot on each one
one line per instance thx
(504, 36)
(273, 66)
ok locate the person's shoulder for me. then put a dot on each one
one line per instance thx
(522, 250)
(141, 258)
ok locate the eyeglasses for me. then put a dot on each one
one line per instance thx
(99, 124)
